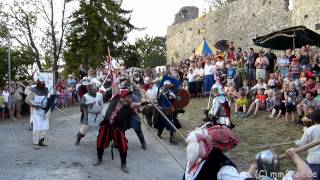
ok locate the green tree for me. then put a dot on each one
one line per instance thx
(21, 64)
(39, 26)
(152, 51)
(97, 25)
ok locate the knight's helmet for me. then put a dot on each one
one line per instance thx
(267, 163)
(92, 88)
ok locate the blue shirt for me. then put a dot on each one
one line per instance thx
(231, 73)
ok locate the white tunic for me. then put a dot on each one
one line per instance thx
(94, 110)
(39, 117)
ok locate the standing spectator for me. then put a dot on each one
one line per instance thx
(283, 65)
(239, 63)
(304, 58)
(209, 71)
(290, 56)
(272, 60)
(261, 65)
(295, 70)
(251, 66)
(18, 99)
(291, 98)
(82, 71)
(231, 74)
(191, 82)
(199, 71)
(6, 96)
(12, 100)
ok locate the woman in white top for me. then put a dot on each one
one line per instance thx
(6, 96)
(209, 71)
(312, 134)
(283, 65)
(199, 71)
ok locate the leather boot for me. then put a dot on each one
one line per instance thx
(141, 139)
(79, 136)
(41, 142)
(123, 157)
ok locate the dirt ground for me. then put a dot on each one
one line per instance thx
(253, 132)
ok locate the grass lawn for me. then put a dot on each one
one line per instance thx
(253, 132)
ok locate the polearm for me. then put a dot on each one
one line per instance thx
(109, 68)
(159, 110)
(303, 148)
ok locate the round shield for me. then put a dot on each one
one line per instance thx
(183, 101)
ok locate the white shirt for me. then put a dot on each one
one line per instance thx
(220, 64)
(209, 69)
(152, 92)
(199, 72)
(312, 134)
(260, 86)
(191, 77)
(6, 96)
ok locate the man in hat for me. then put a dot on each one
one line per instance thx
(37, 99)
(91, 105)
(165, 99)
(220, 110)
(261, 65)
(114, 125)
(312, 134)
(205, 157)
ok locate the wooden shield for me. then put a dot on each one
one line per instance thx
(183, 101)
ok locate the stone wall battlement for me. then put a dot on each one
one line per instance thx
(240, 22)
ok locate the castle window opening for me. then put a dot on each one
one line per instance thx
(288, 5)
(317, 26)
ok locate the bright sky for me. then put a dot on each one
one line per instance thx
(157, 15)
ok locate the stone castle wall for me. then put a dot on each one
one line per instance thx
(240, 22)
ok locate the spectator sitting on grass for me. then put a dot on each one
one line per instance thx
(241, 105)
(258, 103)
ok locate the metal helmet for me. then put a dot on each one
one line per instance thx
(92, 88)
(167, 83)
(267, 163)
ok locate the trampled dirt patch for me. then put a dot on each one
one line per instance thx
(253, 132)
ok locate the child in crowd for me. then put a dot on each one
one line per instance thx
(258, 103)
(191, 82)
(291, 98)
(241, 104)
(270, 101)
(294, 70)
(279, 106)
(231, 74)
(305, 120)
(62, 98)
(231, 91)
(246, 87)
(272, 82)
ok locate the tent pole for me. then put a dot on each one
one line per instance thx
(294, 41)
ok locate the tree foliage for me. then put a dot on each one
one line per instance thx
(151, 50)
(21, 64)
(97, 25)
(36, 25)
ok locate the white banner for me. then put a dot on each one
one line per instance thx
(48, 76)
